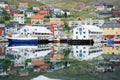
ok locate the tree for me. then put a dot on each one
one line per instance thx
(5, 15)
(65, 14)
(1, 20)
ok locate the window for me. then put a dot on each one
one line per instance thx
(76, 37)
(76, 32)
(83, 32)
(80, 29)
(84, 36)
(76, 51)
(80, 53)
(76, 47)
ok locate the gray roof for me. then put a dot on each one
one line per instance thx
(2, 25)
(13, 24)
(111, 24)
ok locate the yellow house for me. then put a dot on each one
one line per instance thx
(111, 50)
(111, 29)
(37, 18)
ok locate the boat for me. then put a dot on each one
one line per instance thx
(23, 39)
(29, 34)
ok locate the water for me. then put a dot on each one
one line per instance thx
(59, 61)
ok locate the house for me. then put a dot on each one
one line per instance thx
(23, 72)
(83, 52)
(87, 21)
(20, 18)
(110, 7)
(111, 49)
(37, 18)
(87, 32)
(3, 4)
(44, 12)
(34, 8)
(100, 7)
(65, 11)
(2, 52)
(104, 7)
(111, 30)
(8, 9)
(29, 14)
(23, 4)
(22, 9)
(56, 20)
(116, 13)
(12, 28)
(56, 10)
(14, 11)
(2, 30)
(38, 63)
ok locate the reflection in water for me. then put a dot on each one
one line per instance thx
(32, 60)
(86, 52)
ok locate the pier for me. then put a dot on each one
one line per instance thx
(68, 41)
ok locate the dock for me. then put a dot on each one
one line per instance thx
(68, 41)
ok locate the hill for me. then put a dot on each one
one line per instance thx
(65, 4)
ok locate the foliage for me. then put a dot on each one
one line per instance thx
(5, 16)
(66, 27)
(28, 20)
(1, 20)
(46, 19)
(6, 63)
(66, 52)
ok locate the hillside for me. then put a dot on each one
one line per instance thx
(65, 4)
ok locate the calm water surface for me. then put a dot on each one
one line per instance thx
(59, 61)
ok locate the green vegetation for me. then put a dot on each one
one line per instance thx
(79, 70)
(28, 20)
(5, 63)
(46, 19)
(5, 16)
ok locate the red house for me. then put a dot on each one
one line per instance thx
(8, 8)
(44, 12)
(14, 12)
(2, 30)
(116, 13)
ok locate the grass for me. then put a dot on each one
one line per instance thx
(77, 71)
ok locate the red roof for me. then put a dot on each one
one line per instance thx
(37, 16)
(44, 12)
(38, 63)
(44, 67)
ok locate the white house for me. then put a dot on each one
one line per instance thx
(3, 4)
(20, 18)
(29, 14)
(87, 21)
(87, 52)
(63, 12)
(87, 32)
(28, 51)
(37, 31)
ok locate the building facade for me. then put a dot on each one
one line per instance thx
(111, 30)
(87, 52)
(20, 18)
(87, 21)
(37, 19)
(87, 32)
